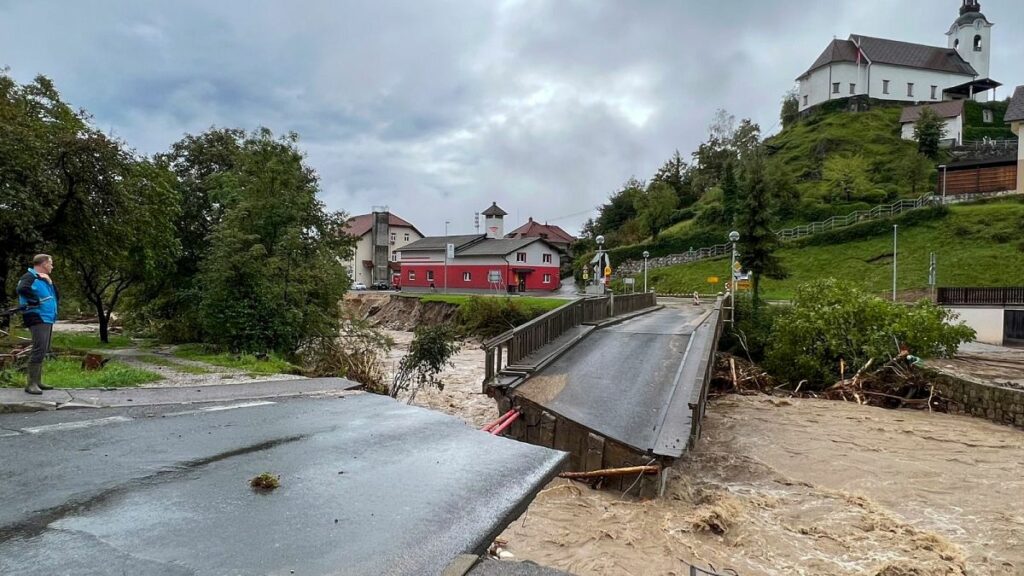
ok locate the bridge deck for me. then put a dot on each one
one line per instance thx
(633, 383)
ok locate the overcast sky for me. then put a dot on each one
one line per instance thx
(437, 108)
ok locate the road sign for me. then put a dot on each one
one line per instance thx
(494, 276)
(586, 276)
(451, 251)
(629, 281)
(737, 267)
(607, 270)
(713, 280)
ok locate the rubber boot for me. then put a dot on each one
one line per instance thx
(35, 373)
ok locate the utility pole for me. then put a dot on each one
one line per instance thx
(734, 237)
(933, 268)
(646, 256)
(446, 223)
(894, 229)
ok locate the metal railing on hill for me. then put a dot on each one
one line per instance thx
(513, 346)
(883, 211)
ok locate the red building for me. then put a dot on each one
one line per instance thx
(481, 262)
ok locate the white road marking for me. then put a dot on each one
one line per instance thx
(5, 433)
(241, 405)
(75, 425)
(220, 408)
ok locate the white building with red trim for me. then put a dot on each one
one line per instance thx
(481, 262)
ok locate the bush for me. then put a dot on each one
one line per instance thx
(830, 321)
(429, 354)
(486, 317)
(750, 334)
(358, 352)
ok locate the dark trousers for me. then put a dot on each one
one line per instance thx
(40, 342)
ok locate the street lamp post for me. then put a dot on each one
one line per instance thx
(894, 229)
(734, 237)
(646, 256)
(446, 223)
(943, 183)
(599, 269)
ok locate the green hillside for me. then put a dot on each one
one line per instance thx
(976, 245)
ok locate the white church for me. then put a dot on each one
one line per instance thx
(901, 71)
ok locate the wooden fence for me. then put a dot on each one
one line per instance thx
(978, 179)
(981, 296)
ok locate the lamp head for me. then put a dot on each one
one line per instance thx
(734, 236)
(647, 254)
(600, 239)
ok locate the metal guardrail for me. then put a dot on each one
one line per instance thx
(981, 296)
(511, 347)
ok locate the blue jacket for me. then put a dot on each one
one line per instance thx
(39, 298)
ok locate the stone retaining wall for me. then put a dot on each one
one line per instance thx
(996, 403)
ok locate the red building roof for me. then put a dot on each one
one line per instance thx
(359, 225)
(549, 232)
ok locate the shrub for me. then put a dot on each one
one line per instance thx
(750, 334)
(429, 354)
(488, 317)
(830, 321)
(357, 352)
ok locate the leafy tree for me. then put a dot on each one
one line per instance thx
(830, 320)
(730, 194)
(847, 176)
(675, 173)
(655, 207)
(790, 109)
(124, 230)
(272, 276)
(754, 222)
(929, 131)
(918, 170)
(621, 207)
(36, 184)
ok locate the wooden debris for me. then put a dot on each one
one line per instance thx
(612, 472)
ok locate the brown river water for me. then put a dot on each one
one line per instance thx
(787, 487)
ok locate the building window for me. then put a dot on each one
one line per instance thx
(910, 89)
(466, 276)
(393, 236)
(547, 278)
(885, 86)
(835, 87)
(412, 274)
(520, 256)
(987, 116)
(977, 43)
(407, 237)
(805, 99)
(547, 258)
(394, 256)
(430, 275)
(853, 88)
(956, 44)
(935, 92)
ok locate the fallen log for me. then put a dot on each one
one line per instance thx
(612, 472)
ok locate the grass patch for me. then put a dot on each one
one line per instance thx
(68, 373)
(177, 366)
(80, 341)
(273, 364)
(976, 245)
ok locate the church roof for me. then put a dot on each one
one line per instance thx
(1015, 113)
(895, 53)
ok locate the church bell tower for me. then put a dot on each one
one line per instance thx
(971, 36)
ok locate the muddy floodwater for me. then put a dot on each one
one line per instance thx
(787, 487)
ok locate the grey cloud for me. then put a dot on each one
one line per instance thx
(437, 108)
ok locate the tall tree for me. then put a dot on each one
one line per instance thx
(655, 206)
(675, 173)
(731, 197)
(272, 277)
(929, 131)
(124, 232)
(37, 133)
(755, 220)
(790, 109)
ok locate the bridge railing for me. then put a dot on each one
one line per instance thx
(509, 348)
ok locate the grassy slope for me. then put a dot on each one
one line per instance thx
(976, 245)
(533, 303)
(68, 373)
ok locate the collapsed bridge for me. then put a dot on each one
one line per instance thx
(615, 381)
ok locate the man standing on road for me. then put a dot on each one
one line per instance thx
(38, 297)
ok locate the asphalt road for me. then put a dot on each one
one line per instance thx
(368, 486)
(620, 380)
